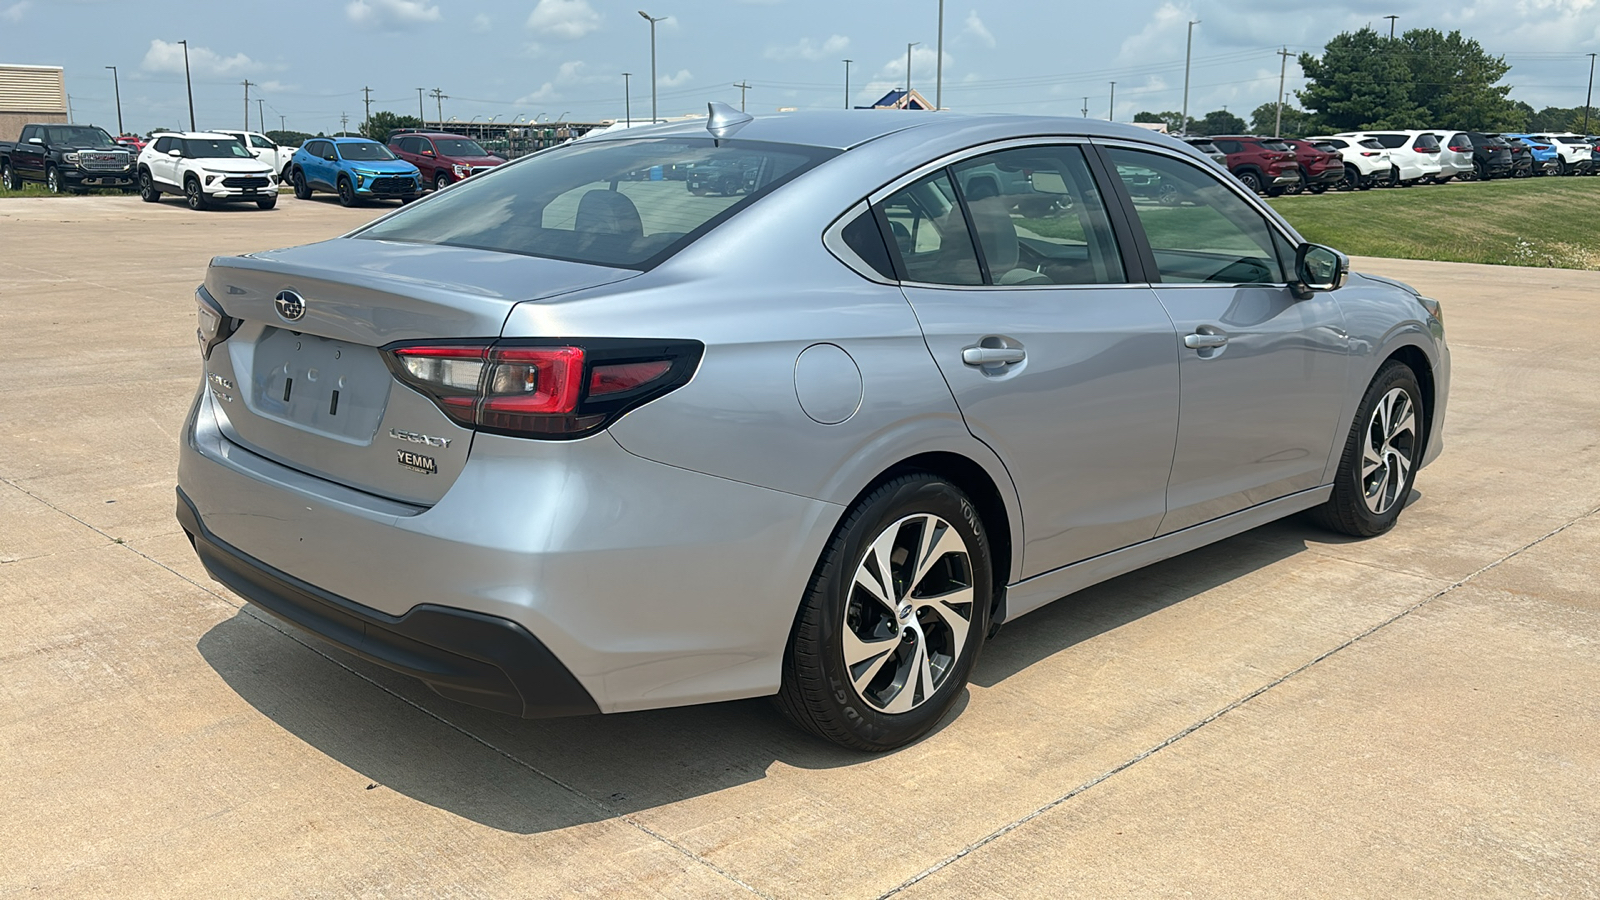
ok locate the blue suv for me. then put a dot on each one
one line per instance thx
(354, 168)
(1546, 160)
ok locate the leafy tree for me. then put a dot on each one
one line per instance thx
(1172, 119)
(288, 138)
(383, 122)
(1296, 122)
(1220, 121)
(1453, 81)
(1359, 82)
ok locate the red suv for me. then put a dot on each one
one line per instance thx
(1320, 167)
(1262, 164)
(442, 158)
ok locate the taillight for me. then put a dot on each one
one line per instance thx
(1456, 148)
(214, 325)
(1371, 152)
(542, 389)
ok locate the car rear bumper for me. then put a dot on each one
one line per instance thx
(651, 585)
(477, 659)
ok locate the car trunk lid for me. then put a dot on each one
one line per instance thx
(303, 382)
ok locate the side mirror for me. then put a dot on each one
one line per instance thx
(428, 153)
(1318, 268)
(39, 141)
(175, 154)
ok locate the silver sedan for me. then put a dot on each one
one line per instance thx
(581, 435)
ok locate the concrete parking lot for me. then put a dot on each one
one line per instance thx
(1284, 714)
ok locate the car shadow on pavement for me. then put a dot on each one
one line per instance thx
(532, 776)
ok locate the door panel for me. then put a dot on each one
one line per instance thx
(1262, 373)
(1067, 372)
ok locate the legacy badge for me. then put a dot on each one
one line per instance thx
(416, 462)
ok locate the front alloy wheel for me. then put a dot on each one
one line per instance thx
(893, 621)
(9, 179)
(1380, 457)
(52, 181)
(193, 194)
(1389, 451)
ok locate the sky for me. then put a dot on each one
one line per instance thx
(308, 60)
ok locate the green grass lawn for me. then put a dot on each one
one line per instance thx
(1549, 222)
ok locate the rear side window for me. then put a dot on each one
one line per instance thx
(1333, 143)
(864, 237)
(624, 203)
(1277, 146)
(930, 233)
(1327, 146)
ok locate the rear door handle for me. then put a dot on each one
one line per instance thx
(1204, 341)
(992, 356)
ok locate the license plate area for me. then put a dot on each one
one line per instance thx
(332, 388)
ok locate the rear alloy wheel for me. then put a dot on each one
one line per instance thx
(893, 621)
(302, 191)
(147, 188)
(9, 179)
(1380, 457)
(1250, 180)
(347, 192)
(193, 194)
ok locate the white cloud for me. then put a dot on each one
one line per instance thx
(1160, 35)
(668, 81)
(168, 57)
(808, 49)
(570, 19)
(481, 23)
(389, 15)
(14, 12)
(544, 94)
(976, 28)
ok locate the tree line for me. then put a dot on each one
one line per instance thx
(1366, 81)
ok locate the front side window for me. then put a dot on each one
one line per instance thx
(626, 203)
(364, 151)
(214, 148)
(930, 233)
(1199, 230)
(459, 147)
(1039, 218)
(261, 142)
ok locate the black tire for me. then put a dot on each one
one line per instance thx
(1348, 510)
(147, 188)
(1562, 168)
(441, 181)
(1250, 180)
(267, 202)
(8, 178)
(53, 182)
(193, 194)
(302, 191)
(1444, 180)
(1481, 171)
(347, 192)
(1318, 189)
(1394, 176)
(819, 692)
(1352, 179)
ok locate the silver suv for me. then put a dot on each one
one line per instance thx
(560, 440)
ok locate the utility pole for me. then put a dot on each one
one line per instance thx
(1086, 107)
(1589, 97)
(1283, 68)
(119, 95)
(366, 126)
(938, 67)
(188, 85)
(847, 82)
(439, 97)
(1188, 55)
(1111, 115)
(1391, 25)
(282, 122)
(627, 99)
(742, 88)
(652, 20)
(344, 123)
(247, 83)
(908, 73)
(421, 116)
(261, 115)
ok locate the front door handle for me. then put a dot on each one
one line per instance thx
(1205, 341)
(992, 356)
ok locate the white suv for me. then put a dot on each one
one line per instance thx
(264, 149)
(1573, 153)
(205, 167)
(1366, 162)
(1415, 154)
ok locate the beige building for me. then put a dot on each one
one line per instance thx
(30, 94)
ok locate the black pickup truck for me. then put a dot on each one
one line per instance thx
(66, 158)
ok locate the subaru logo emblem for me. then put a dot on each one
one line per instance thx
(291, 306)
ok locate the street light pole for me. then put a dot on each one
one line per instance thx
(938, 67)
(847, 82)
(1111, 114)
(117, 87)
(1283, 69)
(247, 83)
(261, 115)
(652, 20)
(1589, 97)
(908, 72)
(1391, 25)
(627, 99)
(188, 85)
(1188, 55)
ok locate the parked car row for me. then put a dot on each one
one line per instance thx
(1359, 160)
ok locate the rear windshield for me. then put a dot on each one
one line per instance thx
(1371, 144)
(458, 147)
(364, 151)
(214, 148)
(625, 203)
(1327, 146)
(1425, 142)
(80, 136)
(1277, 146)
(1577, 141)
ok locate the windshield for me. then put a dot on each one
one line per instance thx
(214, 148)
(81, 136)
(612, 203)
(364, 151)
(459, 147)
